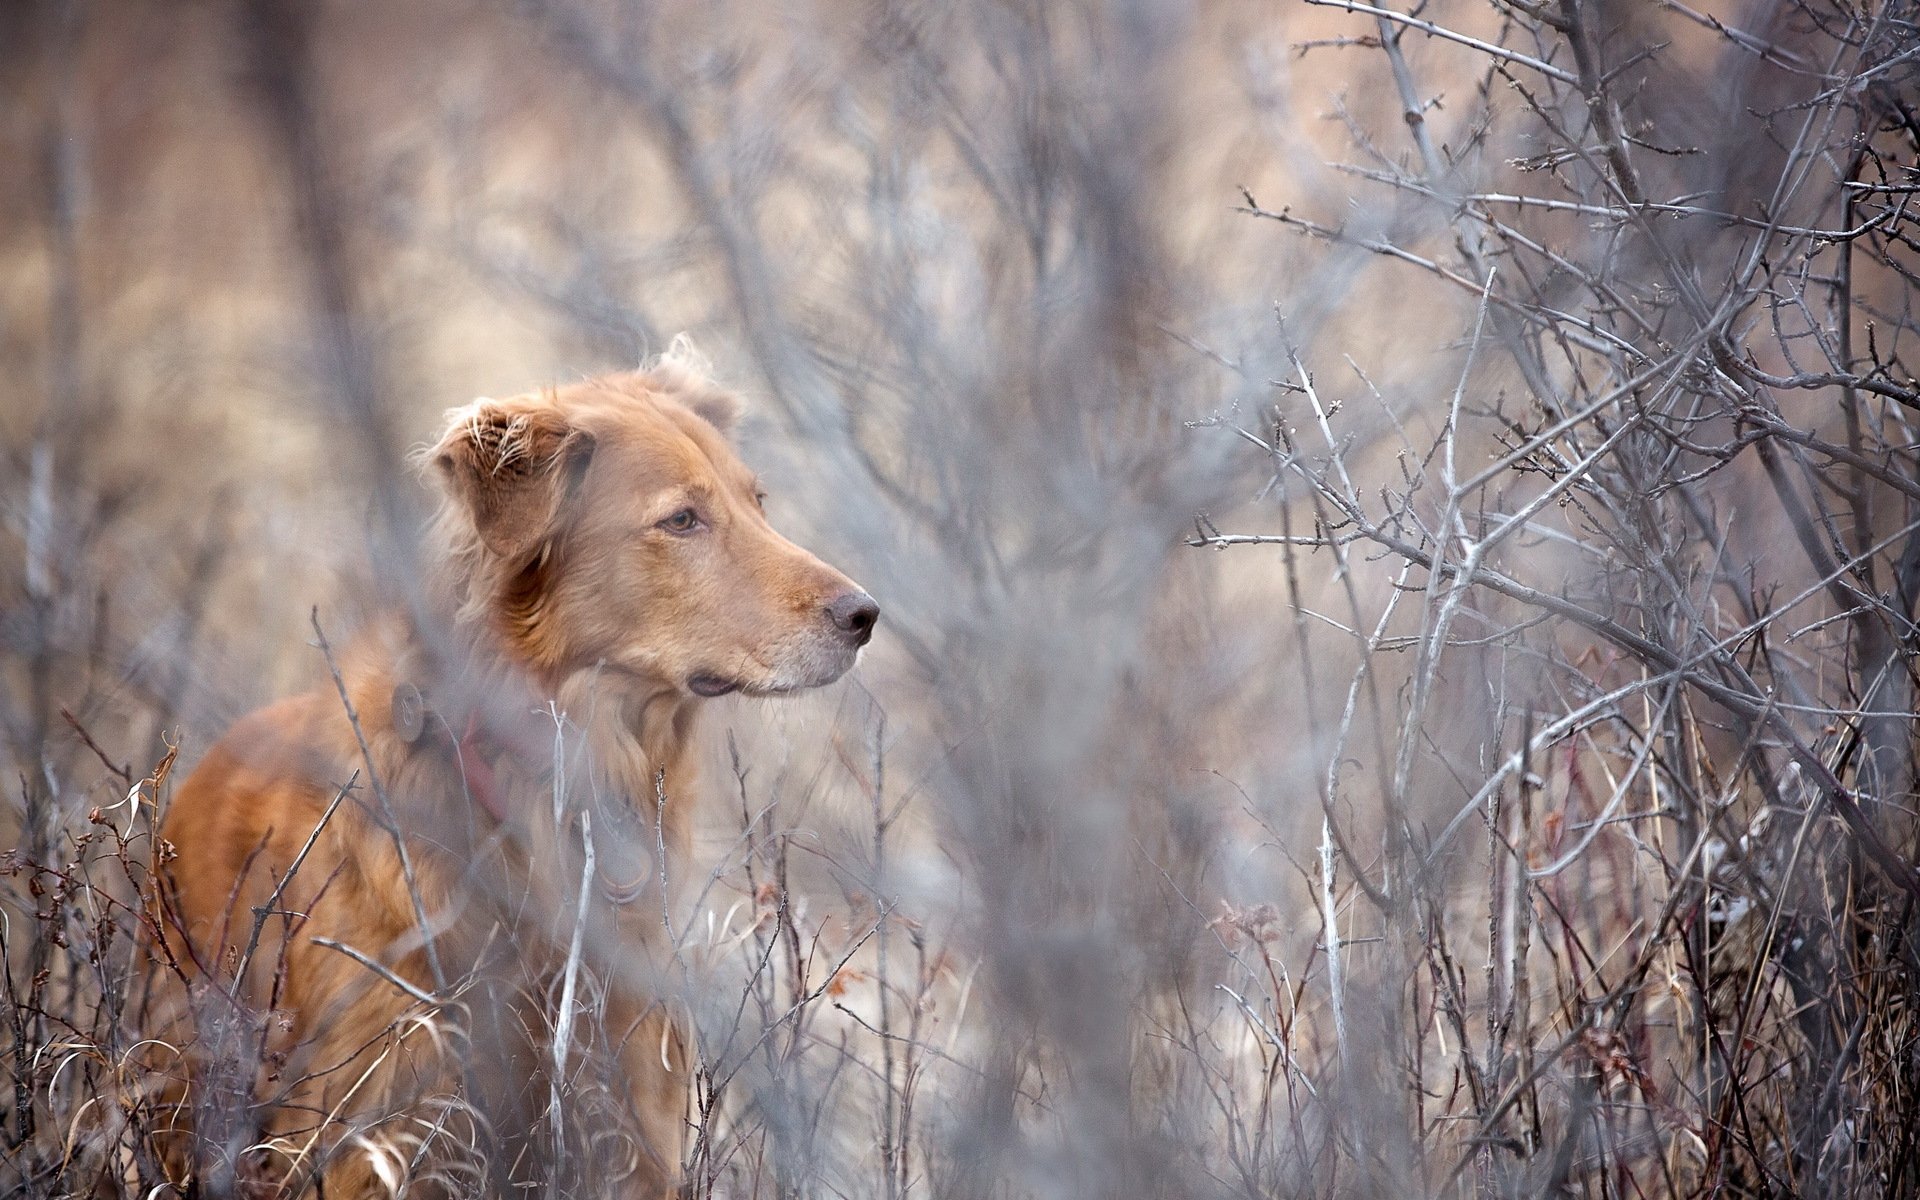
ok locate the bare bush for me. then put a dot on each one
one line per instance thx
(1398, 532)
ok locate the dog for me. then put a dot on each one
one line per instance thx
(384, 892)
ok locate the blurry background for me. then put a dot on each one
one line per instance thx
(1380, 536)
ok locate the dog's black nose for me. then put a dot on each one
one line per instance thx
(854, 614)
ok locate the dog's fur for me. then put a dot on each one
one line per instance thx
(599, 564)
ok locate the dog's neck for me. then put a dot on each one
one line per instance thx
(624, 735)
(631, 735)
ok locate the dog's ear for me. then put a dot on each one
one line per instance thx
(687, 375)
(513, 464)
(720, 409)
(683, 374)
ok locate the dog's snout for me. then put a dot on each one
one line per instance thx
(853, 614)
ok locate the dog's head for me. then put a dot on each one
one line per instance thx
(609, 524)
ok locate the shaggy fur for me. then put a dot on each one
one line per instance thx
(600, 563)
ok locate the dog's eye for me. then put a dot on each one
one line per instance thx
(684, 521)
(760, 500)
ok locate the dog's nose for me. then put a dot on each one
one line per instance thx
(853, 614)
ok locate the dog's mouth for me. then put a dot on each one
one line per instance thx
(811, 671)
(712, 685)
(715, 685)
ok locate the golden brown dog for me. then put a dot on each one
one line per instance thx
(409, 918)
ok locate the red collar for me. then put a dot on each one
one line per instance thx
(473, 753)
